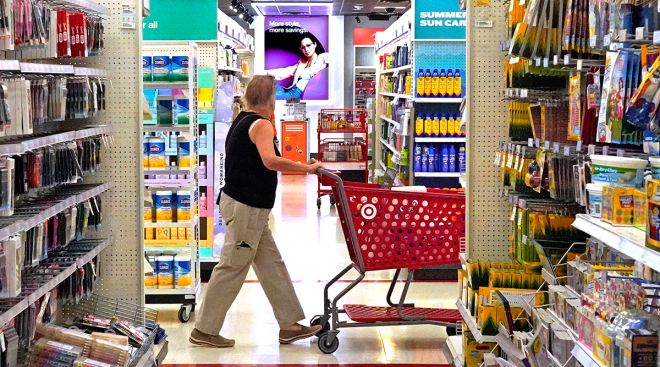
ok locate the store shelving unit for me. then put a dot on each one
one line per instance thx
(471, 323)
(364, 75)
(453, 349)
(186, 296)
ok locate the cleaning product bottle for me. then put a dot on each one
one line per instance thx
(417, 165)
(404, 157)
(419, 125)
(450, 125)
(450, 83)
(202, 140)
(425, 158)
(461, 159)
(443, 126)
(436, 125)
(420, 83)
(432, 159)
(174, 143)
(445, 159)
(458, 83)
(435, 89)
(452, 158)
(428, 126)
(443, 84)
(428, 83)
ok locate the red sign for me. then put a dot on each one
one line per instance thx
(365, 36)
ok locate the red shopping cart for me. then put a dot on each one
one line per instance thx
(386, 229)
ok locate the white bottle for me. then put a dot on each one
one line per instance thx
(202, 170)
(173, 143)
(202, 140)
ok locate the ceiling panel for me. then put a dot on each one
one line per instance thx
(339, 7)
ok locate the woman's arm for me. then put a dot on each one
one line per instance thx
(262, 136)
(321, 63)
(282, 73)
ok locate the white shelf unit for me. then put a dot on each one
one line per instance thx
(389, 146)
(396, 70)
(396, 95)
(629, 241)
(438, 174)
(454, 350)
(438, 100)
(187, 297)
(420, 139)
(471, 323)
(389, 120)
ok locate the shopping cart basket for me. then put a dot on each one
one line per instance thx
(385, 230)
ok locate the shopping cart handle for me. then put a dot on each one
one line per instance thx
(328, 177)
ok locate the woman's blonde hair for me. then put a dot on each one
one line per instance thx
(260, 92)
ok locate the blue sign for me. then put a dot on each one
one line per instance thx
(439, 20)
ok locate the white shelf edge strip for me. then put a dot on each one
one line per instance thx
(421, 139)
(472, 325)
(15, 310)
(629, 241)
(90, 72)
(23, 225)
(391, 148)
(44, 141)
(28, 67)
(438, 100)
(438, 174)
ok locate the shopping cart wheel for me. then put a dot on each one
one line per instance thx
(184, 313)
(318, 320)
(318, 203)
(328, 343)
(451, 331)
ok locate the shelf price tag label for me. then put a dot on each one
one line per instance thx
(578, 147)
(546, 145)
(555, 147)
(639, 33)
(591, 149)
(514, 60)
(620, 152)
(567, 59)
(530, 142)
(606, 150)
(538, 61)
(537, 142)
(546, 62)
(656, 37)
(579, 64)
(567, 150)
(555, 60)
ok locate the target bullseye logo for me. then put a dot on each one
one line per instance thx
(368, 211)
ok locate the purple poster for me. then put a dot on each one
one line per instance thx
(296, 53)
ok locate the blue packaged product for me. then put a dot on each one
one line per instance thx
(164, 206)
(432, 159)
(183, 271)
(151, 95)
(445, 159)
(165, 272)
(461, 159)
(165, 112)
(184, 153)
(181, 112)
(161, 68)
(147, 68)
(179, 69)
(452, 159)
(418, 158)
(425, 159)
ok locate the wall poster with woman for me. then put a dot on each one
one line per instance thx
(296, 54)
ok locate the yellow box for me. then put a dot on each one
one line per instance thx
(618, 205)
(473, 352)
(602, 346)
(181, 233)
(189, 235)
(163, 233)
(174, 234)
(641, 209)
(149, 234)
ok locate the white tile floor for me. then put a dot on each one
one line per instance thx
(313, 247)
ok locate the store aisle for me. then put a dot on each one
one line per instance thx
(313, 247)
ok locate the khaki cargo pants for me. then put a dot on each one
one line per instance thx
(248, 241)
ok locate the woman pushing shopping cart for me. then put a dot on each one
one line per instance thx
(391, 229)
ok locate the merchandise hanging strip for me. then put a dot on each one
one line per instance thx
(22, 145)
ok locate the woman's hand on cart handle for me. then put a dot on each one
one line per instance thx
(313, 165)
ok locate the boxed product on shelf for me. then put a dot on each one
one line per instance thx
(473, 351)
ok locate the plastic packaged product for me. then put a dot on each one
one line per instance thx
(405, 157)
(165, 112)
(428, 125)
(655, 167)
(432, 159)
(443, 125)
(184, 153)
(450, 84)
(147, 68)
(435, 88)
(437, 125)
(451, 125)
(445, 159)
(151, 272)
(419, 125)
(461, 159)
(163, 206)
(428, 83)
(420, 83)
(202, 140)
(149, 208)
(425, 158)
(156, 153)
(458, 83)
(183, 271)
(452, 158)
(202, 204)
(417, 165)
(595, 199)
(442, 91)
(653, 215)
(161, 68)
(179, 69)
(617, 171)
(181, 111)
(202, 171)
(183, 206)
(145, 151)
(165, 271)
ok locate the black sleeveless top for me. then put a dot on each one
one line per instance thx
(247, 179)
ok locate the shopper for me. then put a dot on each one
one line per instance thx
(245, 204)
(313, 60)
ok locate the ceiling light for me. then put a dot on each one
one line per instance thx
(256, 5)
(357, 19)
(394, 7)
(241, 16)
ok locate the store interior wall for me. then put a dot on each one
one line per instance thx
(349, 60)
(337, 48)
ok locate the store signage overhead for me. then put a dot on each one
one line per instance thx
(170, 20)
(439, 20)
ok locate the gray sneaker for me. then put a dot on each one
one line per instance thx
(205, 340)
(288, 337)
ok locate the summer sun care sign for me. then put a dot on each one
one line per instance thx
(439, 20)
(170, 20)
